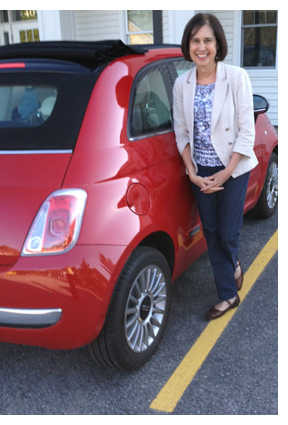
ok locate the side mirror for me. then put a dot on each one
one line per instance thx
(261, 105)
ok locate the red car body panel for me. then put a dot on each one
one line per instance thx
(25, 183)
(79, 282)
(266, 141)
(134, 190)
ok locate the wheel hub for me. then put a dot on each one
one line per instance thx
(145, 307)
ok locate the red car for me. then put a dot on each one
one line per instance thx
(97, 217)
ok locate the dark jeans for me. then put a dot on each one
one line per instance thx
(221, 214)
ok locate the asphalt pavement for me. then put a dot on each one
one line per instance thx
(238, 377)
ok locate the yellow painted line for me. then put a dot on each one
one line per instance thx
(173, 390)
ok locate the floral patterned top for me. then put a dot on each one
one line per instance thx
(203, 149)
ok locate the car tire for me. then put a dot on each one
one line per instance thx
(138, 313)
(268, 200)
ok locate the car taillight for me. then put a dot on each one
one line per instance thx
(57, 225)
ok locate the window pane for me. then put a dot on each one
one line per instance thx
(151, 111)
(6, 38)
(22, 36)
(260, 17)
(248, 17)
(259, 46)
(23, 106)
(183, 66)
(140, 26)
(140, 20)
(29, 35)
(36, 35)
(141, 38)
(3, 15)
(271, 16)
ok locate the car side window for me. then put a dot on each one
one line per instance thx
(182, 66)
(150, 111)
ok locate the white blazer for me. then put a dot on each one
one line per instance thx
(232, 120)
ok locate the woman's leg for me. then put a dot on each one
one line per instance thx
(221, 214)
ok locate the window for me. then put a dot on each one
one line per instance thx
(18, 26)
(29, 35)
(42, 110)
(23, 106)
(140, 27)
(259, 38)
(144, 27)
(151, 107)
(4, 16)
(182, 66)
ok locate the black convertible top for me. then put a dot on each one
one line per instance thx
(88, 52)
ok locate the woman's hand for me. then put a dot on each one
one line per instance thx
(212, 183)
(206, 184)
(215, 182)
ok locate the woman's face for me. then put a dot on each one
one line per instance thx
(203, 47)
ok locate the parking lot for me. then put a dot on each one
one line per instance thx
(237, 372)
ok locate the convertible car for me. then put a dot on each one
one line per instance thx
(97, 217)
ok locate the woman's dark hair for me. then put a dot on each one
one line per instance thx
(194, 25)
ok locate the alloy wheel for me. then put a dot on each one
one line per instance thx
(145, 308)
(272, 185)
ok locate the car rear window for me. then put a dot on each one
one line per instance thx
(43, 110)
(26, 105)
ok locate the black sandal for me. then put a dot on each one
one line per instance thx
(213, 313)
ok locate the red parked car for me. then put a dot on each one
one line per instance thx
(97, 217)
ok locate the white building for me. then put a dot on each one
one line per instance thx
(252, 35)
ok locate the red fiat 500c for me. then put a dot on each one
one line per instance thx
(97, 217)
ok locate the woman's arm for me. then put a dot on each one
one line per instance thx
(244, 142)
(180, 125)
(206, 184)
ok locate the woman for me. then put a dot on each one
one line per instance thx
(214, 128)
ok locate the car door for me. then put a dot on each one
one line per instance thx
(160, 168)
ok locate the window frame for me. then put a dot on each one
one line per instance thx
(144, 71)
(172, 73)
(262, 25)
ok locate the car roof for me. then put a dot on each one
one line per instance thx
(87, 53)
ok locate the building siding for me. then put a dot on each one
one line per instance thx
(226, 17)
(92, 25)
(267, 86)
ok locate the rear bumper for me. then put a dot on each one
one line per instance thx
(61, 301)
(29, 318)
